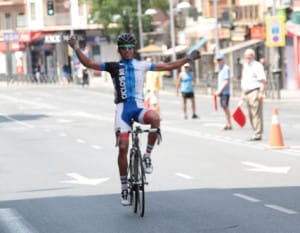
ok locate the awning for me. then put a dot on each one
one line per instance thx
(292, 29)
(151, 50)
(31, 36)
(178, 49)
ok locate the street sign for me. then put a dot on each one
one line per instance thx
(275, 33)
(11, 36)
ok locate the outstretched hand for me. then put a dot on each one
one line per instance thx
(73, 42)
(194, 55)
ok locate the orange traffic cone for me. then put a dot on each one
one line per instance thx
(276, 139)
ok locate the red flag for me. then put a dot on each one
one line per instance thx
(239, 116)
(215, 102)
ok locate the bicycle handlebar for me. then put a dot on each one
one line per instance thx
(138, 130)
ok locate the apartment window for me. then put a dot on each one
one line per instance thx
(7, 21)
(32, 11)
(21, 20)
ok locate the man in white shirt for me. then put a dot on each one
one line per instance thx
(253, 85)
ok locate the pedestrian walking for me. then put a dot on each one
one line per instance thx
(223, 90)
(253, 85)
(185, 83)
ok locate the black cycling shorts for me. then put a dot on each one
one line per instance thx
(187, 94)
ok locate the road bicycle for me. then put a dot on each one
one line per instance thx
(136, 174)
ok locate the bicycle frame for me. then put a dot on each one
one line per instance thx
(137, 177)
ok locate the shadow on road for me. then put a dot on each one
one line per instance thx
(21, 117)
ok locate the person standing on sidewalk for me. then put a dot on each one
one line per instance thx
(253, 85)
(186, 83)
(224, 89)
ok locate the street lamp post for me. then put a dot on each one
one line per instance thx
(216, 26)
(139, 7)
(181, 5)
(172, 29)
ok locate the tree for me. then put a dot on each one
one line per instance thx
(121, 16)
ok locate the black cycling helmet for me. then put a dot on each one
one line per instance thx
(126, 38)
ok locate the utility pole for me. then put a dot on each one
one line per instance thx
(217, 48)
(139, 7)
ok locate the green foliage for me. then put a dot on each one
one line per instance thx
(105, 11)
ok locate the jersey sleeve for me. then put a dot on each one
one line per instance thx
(110, 67)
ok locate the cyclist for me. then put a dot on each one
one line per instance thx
(128, 76)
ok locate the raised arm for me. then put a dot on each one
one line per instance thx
(178, 63)
(74, 43)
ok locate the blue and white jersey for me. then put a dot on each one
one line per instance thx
(128, 78)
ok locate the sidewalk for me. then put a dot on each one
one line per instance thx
(293, 95)
(169, 87)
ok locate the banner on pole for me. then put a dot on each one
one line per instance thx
(275, 33)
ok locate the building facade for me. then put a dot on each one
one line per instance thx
(33, 35)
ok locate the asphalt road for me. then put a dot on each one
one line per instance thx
(58, 168)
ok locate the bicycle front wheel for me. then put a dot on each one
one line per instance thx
(139, 190)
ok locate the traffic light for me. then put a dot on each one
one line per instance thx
(50, 7)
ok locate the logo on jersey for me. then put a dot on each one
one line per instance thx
(122, 82)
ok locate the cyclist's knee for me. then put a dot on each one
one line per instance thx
(153, 119)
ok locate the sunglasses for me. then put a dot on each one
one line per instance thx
(126, 47)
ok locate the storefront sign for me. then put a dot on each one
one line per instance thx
(31, 36)
(53, 39)
(11, 36)
(16, 46)
(258, 33)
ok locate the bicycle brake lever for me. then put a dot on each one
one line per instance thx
(117, 137)
(159, 137)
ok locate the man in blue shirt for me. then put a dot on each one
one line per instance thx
(223, 90)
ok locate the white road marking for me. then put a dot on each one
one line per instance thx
(184, 176)
(281, 209)
(198, 134)
(245, 197)
(22, 101)
(79, 179)
(262, 168)
(96, 147)
(62, 135)
(14, 222)
(17, 121)
(81, 141)
(64, 120)
(92, 116)
(216, 125)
